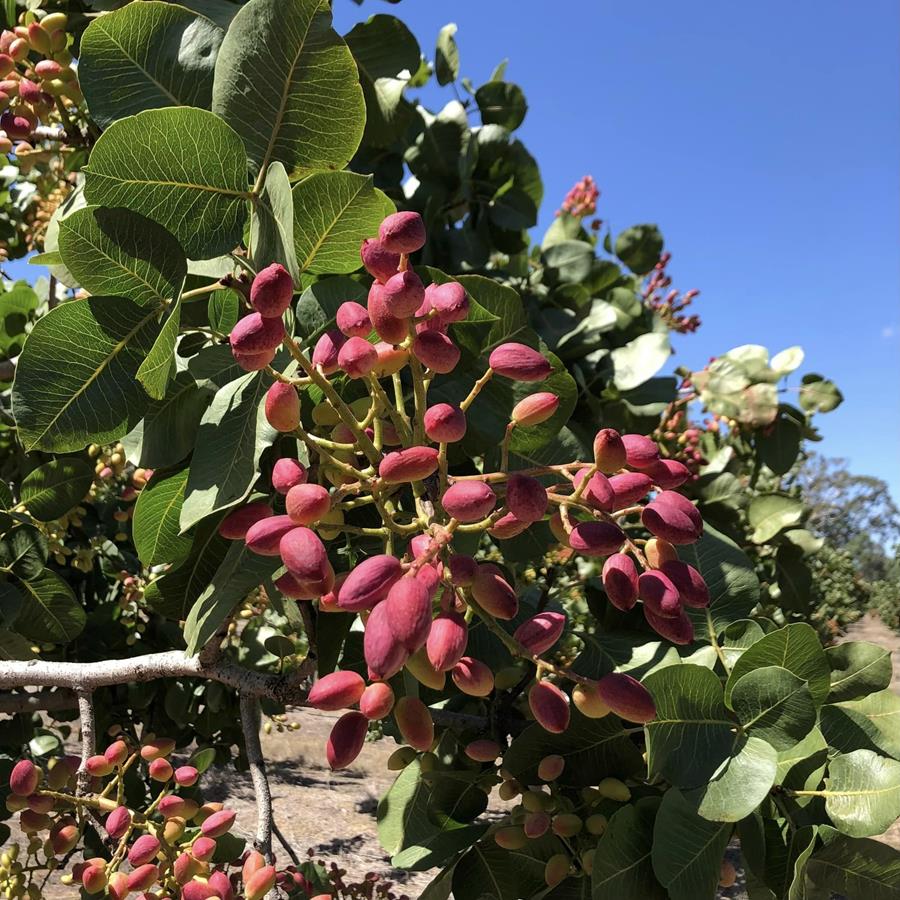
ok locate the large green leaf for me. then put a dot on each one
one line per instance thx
(489, 871)
(854, 867)
(288, 84)
(622, 866)
(51, 490)
(592, 748)
(409, 830)
(687, 849)
(155, 526)
(272, 232)
(732, 581)
(692, 734)
(233, 433)
(386, 53)
(23, 552)
(769, 514)
(158, 368)
(858, 668)
(501, 103)
(50, 611)
(872, 722)
(772, 703)
(640, 359)
(144, 56)
(239, 573)
(446, 55)
(75, 380)
(862, 793)
(333, 213)
(639, 247)
(796, 648)
(183, 167)
(818, 394)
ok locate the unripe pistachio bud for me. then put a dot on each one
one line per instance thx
(256, 334)
(483, 750)
(436, 351)
(338, 690)
(668, 473)
(536, 824)
(408, 610)
(388, 327)
(596, 824)
(450, 301)
(691, 587)
(567, 825)
(473, 677)
(511, 837)
(186, 776)
(160, 770)
(46, 68)
(556, 869)
(39, 39)
(445, 423)
(659, 594)
(526, 498)
(143, 850)
(727, 875)
(31, 822)
(41, 804)
(118, 822)
(19, 49)
(93, 878)
(539, 633)
(29, 92)
(494, 593)
(620, 581)
(198, 890)
(218, 823)
(116, 752)
(239, 521)
(369, 582)
(468, 501)
(415, 723)
(614, 789)
(402, 232)
(259, 883)
(659, 552)
(353, 320)
(677, 629)
(447, 640)
(264, 537)
(24, 778)
(384, 654)
(403, 294)
(377, 701)
(551, 767)
(325, 353)
(412, 464)
(628, 488)
(641, 452)
(463, 569)
(282, 406)
(535, 409)
(357, 357)
(99, 766)
(596, 538)
(307, 503)
(598, 491)
(673, 517)
(390, 361)
(272, 291)
(7, 64)
(508, 527)
(588, 701)
(287, 473)
(378, 261)
(519, 362)
(550, 707)
(203, 849)
(609, 451)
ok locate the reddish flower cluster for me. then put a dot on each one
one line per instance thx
(667, 302)
(581, 200)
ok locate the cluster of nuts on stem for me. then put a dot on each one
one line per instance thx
(170, 846)
(36, 76)
(417, 605)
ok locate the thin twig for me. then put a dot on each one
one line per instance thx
(250, 726)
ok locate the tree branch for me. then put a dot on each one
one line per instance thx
(264, 815)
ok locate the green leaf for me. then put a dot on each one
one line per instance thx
(779, 445)
(75, 380)
(14, 646)
(158, 369)
(288, 84)
(118, 252)
(730, 576)
(862, 793)
(803, 766)
(692, 735)
(687, 849)
(50, 611)
(640, 359)
(855, 867)
(818, 394)
(775, 705)
(233, 433)
(568, 261)
(144, 56)
(155, 526)
(768, 514)
(56, 487)
(796, 648)
(23, 552)
(872, 723)
(11, 601)
(488, 871)
(333, 213)
(272, 231)
(501, 103)
(787, 361)
(184, 165)
(639, 248)
(622, 859)
(446, 55)
(592, 748)
(858, 668)
(386, 53)
(239, 573)
(408, 829)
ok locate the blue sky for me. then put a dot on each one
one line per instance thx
(764, 140)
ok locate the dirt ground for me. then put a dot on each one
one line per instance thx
(333, 814)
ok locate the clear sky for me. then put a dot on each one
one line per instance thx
(763, 138)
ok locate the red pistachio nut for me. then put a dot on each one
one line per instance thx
(282, 407)
(256, 334)
(384, 654)
(408, 610)
(346, 739)
(519, 362)
(535, 409)
(415, 723)
(468, 501)
(325, 353)
(445, 423)
(387, 326)
(287, 473)
(641, 452)
(369, 582)
(526, 498)
(493, 592)
(447, 641)
(357, 357)
(403, 294)
(436, 351)
(338, 690)
(307, 503)
(609, 451)
(271, 291)
(539, 633)
(264, 537)
(378, 261)
(412, 464)
(596, 538)
(473, 677)
(377, 701)
(620, 581)
(550, 707)
(352, 319)
(402, 232)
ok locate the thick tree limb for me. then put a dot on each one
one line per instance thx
(264, 814)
